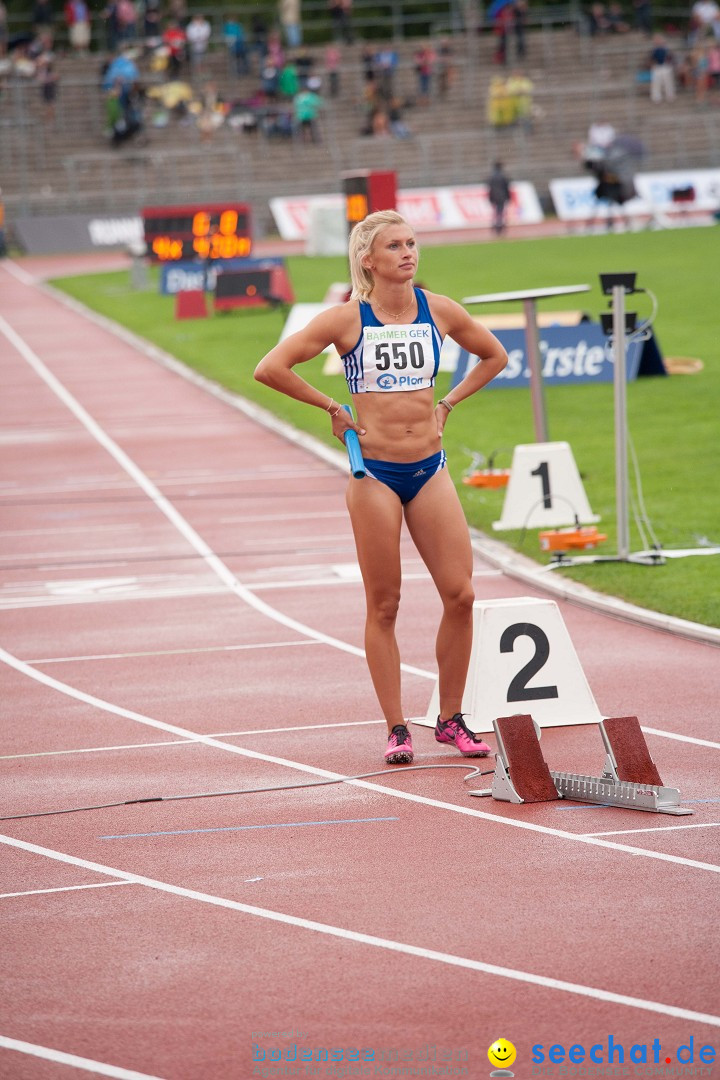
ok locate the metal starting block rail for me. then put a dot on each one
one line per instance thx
(629, 779)
(612, 792)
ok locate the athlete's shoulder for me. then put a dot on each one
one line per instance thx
(443, 309)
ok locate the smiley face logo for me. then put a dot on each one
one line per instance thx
(501, 1054)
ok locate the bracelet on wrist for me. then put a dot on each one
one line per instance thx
(330, 404)
(446, 404)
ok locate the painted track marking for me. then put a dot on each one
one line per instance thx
(659, 828)
(65, 888)
(245, 828)
(373, 941)
(61, 1058)
(188, 741)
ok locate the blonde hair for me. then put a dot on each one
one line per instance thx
(362, 238)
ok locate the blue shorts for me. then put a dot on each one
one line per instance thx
(406, 478)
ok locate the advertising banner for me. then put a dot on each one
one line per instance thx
(574, 197)
(439, 208)
(56, 234)
(190, 276)
(570, 354)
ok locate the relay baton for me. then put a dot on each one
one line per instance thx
(352, 445)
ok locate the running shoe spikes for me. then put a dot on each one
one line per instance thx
(457, 732)
(399, 748)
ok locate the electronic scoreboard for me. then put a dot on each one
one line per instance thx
(201, 231)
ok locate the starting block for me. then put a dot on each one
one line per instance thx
(629, 779)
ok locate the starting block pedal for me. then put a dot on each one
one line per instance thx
(630, 778)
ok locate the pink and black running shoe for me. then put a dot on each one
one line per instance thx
(457, 732)
(399, 748)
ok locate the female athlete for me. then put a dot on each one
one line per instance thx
(389, 336)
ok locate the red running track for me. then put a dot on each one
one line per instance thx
(181, 614)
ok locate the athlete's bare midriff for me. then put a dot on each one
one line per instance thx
(399, 426)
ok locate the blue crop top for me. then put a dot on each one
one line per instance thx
(389, 358)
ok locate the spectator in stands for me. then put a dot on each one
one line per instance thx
(379, 123)
(714, 65)
(332, 69)
(385, 66)
(77, 19)
(127, 19)
(275, 52)
(3, 33)
(212, 111)
(520, 12)
(498, 187)
(43, 16)
(662, 73)
(642, 16)
(597, 20)
(122, 115)
(48, 81)
(424, 60)
(446, 70)
(700, 61)
(174, 41)
(396, 123)
(502, 23)
(306, 108)
(368, 64)
(112, 28)
(152, 23)
(601, 135)
(499, 103)
(198, 33)
(258, 38)
(617, 23)
(289, 17)
(234, 34)
(520, 90)
(288, 82)
(704, 20)
(269, 78)
(304, 62)
(341, 16)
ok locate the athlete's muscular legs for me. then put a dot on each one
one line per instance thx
(437, 525)
(376, 516)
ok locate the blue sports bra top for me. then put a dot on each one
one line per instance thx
(389, 358)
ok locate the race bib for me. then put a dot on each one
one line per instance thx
(398, 357)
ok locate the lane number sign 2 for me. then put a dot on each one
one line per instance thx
(518, 690)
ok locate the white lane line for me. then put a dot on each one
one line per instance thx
(190, 742)
(65, 888)
(172, 652)
(186, 530)
(659, 828)
(19, 273)
(681, 738)
(117, 710)
(80, 590)
(375, 942)
(99, 1068)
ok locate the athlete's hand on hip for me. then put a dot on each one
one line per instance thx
(342, 421)
(441, 415)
